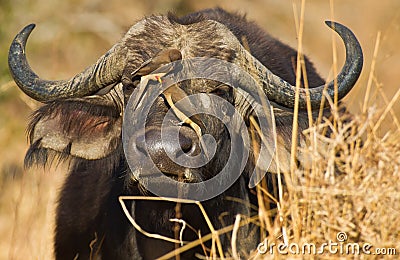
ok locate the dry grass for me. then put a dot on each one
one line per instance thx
(364, 202)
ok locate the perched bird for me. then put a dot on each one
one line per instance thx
(143, 74)
(162, 58)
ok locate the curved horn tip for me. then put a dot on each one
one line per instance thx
(335, 25)
(29, 27)
(330, 23)
(24, 33)
(19, 42)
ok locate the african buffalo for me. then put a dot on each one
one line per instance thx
(82, 120)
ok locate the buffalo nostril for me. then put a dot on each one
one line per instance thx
(171, 149)
(151, 143)
(186, 144)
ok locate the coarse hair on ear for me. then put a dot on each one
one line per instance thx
(87, 128)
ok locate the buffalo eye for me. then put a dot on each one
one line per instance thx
(223, 91)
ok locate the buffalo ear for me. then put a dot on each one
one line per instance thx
(271, 154)
(262, 154)
(282, 153)
(88, 128)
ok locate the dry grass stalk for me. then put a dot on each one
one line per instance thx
(235, 230)
(216, 243)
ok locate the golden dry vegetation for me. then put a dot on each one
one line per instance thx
(364, 203)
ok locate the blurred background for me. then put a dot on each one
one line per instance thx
(72, 34)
